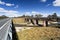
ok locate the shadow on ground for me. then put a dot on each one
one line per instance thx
(14, 34)
(21, 25)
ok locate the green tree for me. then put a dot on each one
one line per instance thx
(54, 16)
(38, 15)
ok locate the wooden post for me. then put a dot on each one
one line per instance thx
(36, 21)
(45, 23)
(32, 21)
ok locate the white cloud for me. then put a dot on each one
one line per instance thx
(10, 13)
(16, 6)
(56, 3)
(2, 2)
(7, 4)
(32, 13)
(43, 0)
(35, 12)
(27, 13)
(48, 5)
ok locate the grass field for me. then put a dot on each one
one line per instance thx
(23, 22)
(36, 33)
(40, 33)
(18, 20)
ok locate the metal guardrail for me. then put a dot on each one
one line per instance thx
(6, 31)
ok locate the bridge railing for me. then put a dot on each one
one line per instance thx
(5, 31)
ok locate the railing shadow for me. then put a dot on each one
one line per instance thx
(14, 34)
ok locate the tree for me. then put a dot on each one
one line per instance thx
(32, 15)
(3, 16)
(49, 17)
(38, 15)
(54, 16)
(23, 15)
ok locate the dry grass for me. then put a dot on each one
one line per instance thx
(18, 20)
(40, 33)
(21, 21)
(37, 33)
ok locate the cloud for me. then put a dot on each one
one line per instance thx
(32, 13)
(10, 13)
(7, 4)
(48, 5)
(35, 12)
(56, 3)
(2, 2)
(16, 6)
(43, 0)
(3, 10)
(27, 13)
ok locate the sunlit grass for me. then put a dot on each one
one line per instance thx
(22, 20)
(18, 20)
(39, 33)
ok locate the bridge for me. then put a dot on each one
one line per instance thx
(6, 29)
(45, 23)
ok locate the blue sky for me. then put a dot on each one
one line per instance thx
(29, 7)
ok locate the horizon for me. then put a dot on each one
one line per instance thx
(29, 7)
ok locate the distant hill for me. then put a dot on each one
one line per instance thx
(3, 16)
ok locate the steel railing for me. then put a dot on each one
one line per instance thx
(5, 31)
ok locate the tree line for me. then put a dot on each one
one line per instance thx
(52, 17)
(3, 16)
